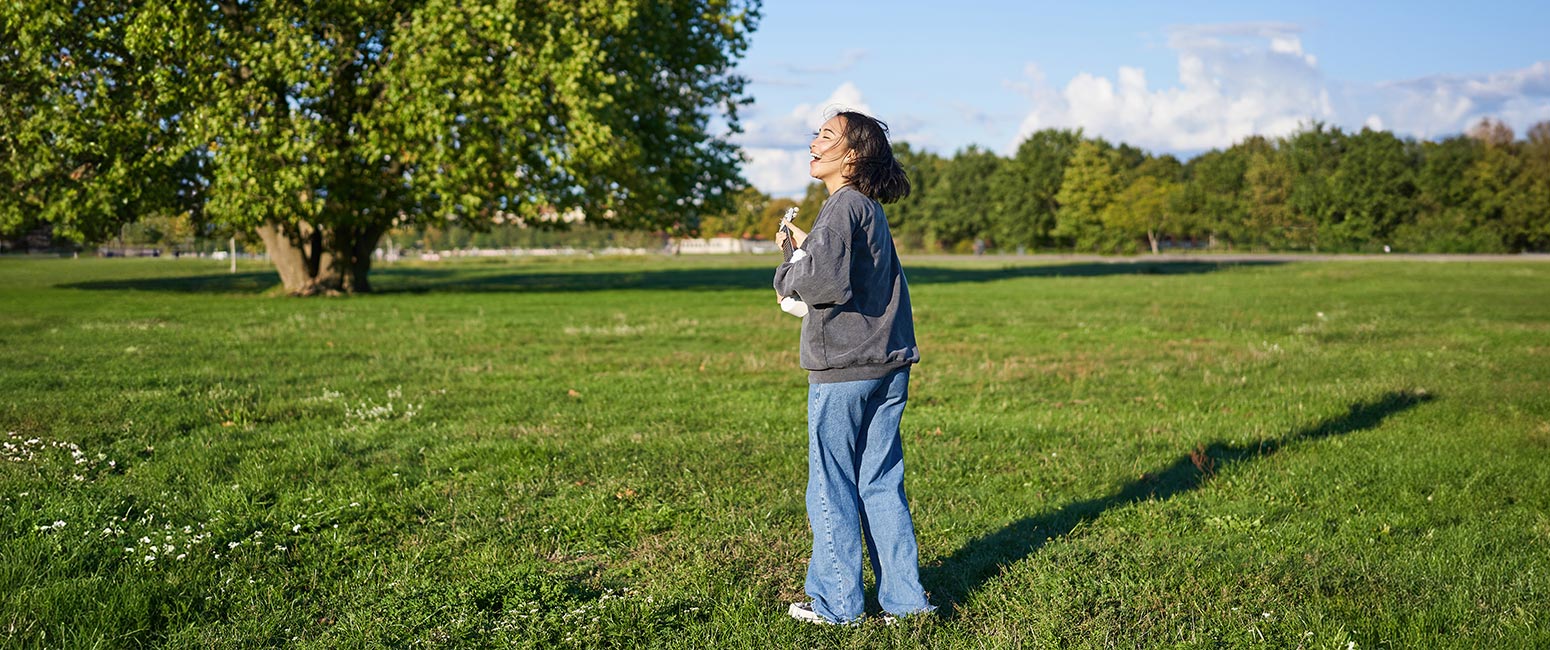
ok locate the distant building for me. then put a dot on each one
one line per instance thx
(128, 251)
(725, 246)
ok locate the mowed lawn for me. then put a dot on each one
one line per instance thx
(611, 453)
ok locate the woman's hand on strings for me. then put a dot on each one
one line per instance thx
(798, 236)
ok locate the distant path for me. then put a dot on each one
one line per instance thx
(1229, 258)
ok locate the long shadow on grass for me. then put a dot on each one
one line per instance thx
(759, 278)
(246, 282)
(415, 279)
(957, 576)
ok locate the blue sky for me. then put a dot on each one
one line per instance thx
(1177, 77)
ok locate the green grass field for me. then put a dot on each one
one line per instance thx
(611, 453)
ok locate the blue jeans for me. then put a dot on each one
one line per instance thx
(855, 492)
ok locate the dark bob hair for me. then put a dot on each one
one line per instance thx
(873, 171)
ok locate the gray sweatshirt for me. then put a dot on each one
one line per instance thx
(858, 325)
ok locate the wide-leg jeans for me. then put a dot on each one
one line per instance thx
(855, 494)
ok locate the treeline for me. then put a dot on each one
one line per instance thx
(1320, 189)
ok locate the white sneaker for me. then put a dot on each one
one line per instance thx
(804, 612)
(890, 619)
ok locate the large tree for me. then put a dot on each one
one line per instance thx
(1149, 208)
(961, 203)
(1373, 189)
(908, 218)
(1314, 154)
(321, 125)
(1026, 184)
(85, 144)
(1444, 219)
(1440, 177)
(1089, 184)
(746, 218)
(1527, 217)
(1215, 193)
(1270, 220)
(1491, 179)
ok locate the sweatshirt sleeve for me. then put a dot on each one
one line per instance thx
(822, 276)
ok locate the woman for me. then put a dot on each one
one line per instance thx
(858, 342)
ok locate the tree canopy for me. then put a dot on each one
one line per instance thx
(321, 125)
(1317, 189)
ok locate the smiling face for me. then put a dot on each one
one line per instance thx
(829, 156)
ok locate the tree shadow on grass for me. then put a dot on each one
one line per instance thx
(957, 576)
(246, 282)
(737, 278)
(540, 279)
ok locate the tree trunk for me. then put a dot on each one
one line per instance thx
(315, 260)
(360, 248)
(1151, 236)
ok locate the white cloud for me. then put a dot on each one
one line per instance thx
(792, 129)
(1443, 104)
(1234, 81)
(1242, 79)
(777, 172)
(777, 146)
